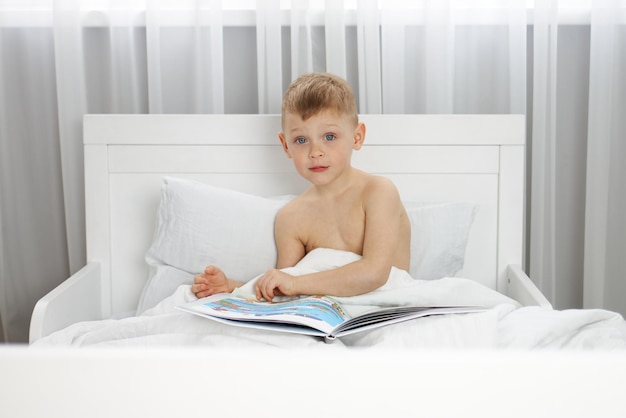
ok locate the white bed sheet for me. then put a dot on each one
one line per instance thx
(505, 325)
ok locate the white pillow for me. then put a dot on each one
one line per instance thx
(163, 282)
(198, 224)
(439, 234)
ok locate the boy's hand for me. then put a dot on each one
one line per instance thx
(211, 282)
(275, 283)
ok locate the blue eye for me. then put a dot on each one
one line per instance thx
(300, 140)
(329, 137)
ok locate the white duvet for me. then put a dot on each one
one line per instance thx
(504, 325)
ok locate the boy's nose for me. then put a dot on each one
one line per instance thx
(316, 151)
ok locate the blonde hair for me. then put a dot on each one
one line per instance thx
(313, 93)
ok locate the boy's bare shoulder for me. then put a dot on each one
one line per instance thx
(379, 186)
(379, 181)
(292, 208)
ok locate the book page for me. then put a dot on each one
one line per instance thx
(320, 313)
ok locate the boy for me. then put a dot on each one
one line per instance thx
(344, 208)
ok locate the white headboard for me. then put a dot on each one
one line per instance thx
(431, 158)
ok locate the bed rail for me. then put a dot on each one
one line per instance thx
(76, 299)
(522, 289)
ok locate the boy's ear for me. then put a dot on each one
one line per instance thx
(283, 141)
(359, 136)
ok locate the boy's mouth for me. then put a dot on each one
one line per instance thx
(318, 168)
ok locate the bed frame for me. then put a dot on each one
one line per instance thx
(431, 158)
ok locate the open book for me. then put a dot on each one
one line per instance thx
(313, 315)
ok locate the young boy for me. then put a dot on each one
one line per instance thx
(344, 208)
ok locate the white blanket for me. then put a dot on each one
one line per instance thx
(504, 325)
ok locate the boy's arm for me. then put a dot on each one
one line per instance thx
(290, 251)
(289, 247)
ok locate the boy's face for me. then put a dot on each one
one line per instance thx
(321, 146)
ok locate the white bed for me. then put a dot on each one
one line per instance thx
(434, 160)
(478, 159)
(214, 184)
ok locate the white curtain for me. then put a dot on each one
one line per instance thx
(565, 70)
(577, 223)
(605, 202)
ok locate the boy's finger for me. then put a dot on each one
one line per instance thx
(262, 293)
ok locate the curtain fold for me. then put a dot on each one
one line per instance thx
(517, 49)
(34, 250)
(335, 31)
(438, 57)
(393, 22)
(67, 58)
(183, 47)
(269, 56)
(301, 40)
(544, 131)
(368, 34)
(605, 223)
(71, 106)
(209, 57)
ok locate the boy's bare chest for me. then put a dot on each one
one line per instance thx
(340, 227)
